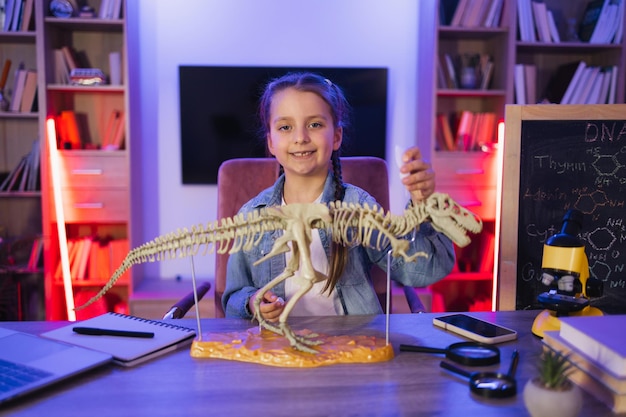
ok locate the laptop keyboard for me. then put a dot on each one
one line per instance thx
(13, 375)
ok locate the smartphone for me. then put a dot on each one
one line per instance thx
(475, 329)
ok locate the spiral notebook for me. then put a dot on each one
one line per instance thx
(126, 351)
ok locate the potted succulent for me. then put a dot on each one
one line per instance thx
(551, 393)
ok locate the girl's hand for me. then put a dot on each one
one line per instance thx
(418, 177)
(271, 306)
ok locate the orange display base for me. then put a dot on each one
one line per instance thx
(267, 348)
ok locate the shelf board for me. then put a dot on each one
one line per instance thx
(448, 92)
(86, 24)
(469, 276)
(457, 32)
(565, 47)
(17, 115)
(17, 37)
(20, 194)
(67, 88)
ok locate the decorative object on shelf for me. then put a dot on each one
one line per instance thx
(351, 224)
(62, 8)
(87, 11)
(87, 76)
(551, 393)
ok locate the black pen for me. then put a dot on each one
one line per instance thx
(92, 331)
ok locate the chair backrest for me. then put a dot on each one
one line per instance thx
(239, 180)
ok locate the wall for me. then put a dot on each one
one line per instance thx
(164, 34)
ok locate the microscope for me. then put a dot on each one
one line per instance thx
(565, 270)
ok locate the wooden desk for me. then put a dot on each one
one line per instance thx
(410, 384)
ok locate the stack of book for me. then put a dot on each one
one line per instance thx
(470, 13)
(25, 175)
(602, 22)
(94, 260)
(536, 22)
(596, 346)
(465, 130)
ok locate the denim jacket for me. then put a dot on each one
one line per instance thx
(355, 289)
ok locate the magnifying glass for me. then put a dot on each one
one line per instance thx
(490, 384)
(465, 353)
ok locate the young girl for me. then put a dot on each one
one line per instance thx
(303, 117)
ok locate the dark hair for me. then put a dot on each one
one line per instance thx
(333, 95)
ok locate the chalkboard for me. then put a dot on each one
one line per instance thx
(557, 158)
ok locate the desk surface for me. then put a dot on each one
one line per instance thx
(410, 384)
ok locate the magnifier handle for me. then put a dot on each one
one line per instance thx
(450, 367)
(514, 361)
(412, 348)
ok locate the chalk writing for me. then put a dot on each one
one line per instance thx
(573, 164)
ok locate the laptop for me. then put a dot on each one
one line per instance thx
(29, 362)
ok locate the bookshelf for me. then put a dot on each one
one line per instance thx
(468, 173)
(93, 174)
(20, 206)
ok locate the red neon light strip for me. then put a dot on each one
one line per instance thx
(55, 167)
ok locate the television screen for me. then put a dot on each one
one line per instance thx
(218, 114)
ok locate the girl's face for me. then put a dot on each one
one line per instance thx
(302, 135)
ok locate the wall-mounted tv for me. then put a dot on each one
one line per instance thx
(218, 110)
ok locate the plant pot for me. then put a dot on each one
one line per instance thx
(543, 402)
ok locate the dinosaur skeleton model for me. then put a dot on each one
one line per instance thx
(348, 224)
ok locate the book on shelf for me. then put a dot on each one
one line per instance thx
(530, 83)
(29, 92)
(69, 56)
(460, 10)
(612, 86)
(584, 84)
(519, 84)
(27, 15)
(15, 15)
(119, 133)
(554, 31)
(486, 74)
(599, 339)
(494, 14)
(445, 131)
(34, 182)
(540, 17)
(446, 11)
(34, 259)
(475, 13)
(110, 9)
(451, 71)
(607, 23)
(14, 175)
(69, 130)
(99, 265)
(19, 83)
(594, 90)
(525, 21)
(573, 83)
(61, 70)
